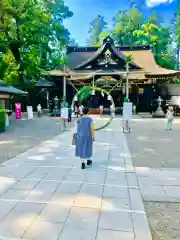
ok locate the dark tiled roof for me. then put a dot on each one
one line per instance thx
(77, 57)
(44, 83)
(81, 56)
(142, 59)
(4, 88)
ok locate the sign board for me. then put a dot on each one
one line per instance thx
(30, 112)
(18, 110)
(127, 110)
(64, 113)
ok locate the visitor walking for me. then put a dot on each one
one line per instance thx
(76, 110)
(101, 108)
(84, 138)
(170, 117)
(81, 110)
(39, 110)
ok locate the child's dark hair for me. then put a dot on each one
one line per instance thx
(85, 110)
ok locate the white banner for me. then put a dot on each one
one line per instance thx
(64, 112)
(127, 110)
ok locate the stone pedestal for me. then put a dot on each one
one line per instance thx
(159, 113)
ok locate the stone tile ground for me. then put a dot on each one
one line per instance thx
(155, 154)
(45, 195)
(25, 134)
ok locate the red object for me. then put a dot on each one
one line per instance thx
(18, 110)
(101, 111)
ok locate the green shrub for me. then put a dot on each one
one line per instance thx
(2, 120)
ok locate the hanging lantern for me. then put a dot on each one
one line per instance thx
(75, 98)
(123, 90)
(102, 94)
(141, 90)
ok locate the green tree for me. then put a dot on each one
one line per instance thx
(133, 28)
(125, 23)
(97, 27)
(32, 31)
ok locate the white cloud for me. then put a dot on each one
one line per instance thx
(153, 3)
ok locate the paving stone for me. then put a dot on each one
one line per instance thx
(114, 204)
(141, 227)
(153, 193)
(6, 207)
(83, 217)
(74, 178)
(38, 176)
(114, 235)
(91, 190)
(116, 182)
(173, 192)
(131, 179)
(47, 186)
(136, 200)
(72, 188)
(25, 212)
(25, 184)
(13, 229)
(55, 174)
(43, 230)
(14, 194)
(82, 232)
(121, 221)
(87, 201)
(56, 213)
(115, 192)
(62, 198)
(42, 170)
(6, 183)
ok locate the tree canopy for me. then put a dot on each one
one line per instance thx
(32, 37)
(132, 27)
(97, 27)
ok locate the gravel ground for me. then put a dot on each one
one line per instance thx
(152, 146)
(25, 134)
(164, 220)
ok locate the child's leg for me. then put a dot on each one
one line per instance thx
(83, 163)
(170, 124)
(89, 162)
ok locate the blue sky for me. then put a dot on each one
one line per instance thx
(86, 10)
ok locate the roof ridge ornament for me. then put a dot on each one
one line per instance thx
(108, 39)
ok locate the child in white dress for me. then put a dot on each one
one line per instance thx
(170, 117)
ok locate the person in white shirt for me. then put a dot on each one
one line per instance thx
(170, 117)
(81, 110)
(101, 109)
(39, 110)
(112, 109)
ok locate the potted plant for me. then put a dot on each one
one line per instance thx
(2, 120)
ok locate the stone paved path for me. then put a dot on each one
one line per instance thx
(45, 195)
(25, 134)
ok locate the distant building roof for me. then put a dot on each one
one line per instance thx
(86, 62)
(142, 58)
(4, 88)
(44, 83)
